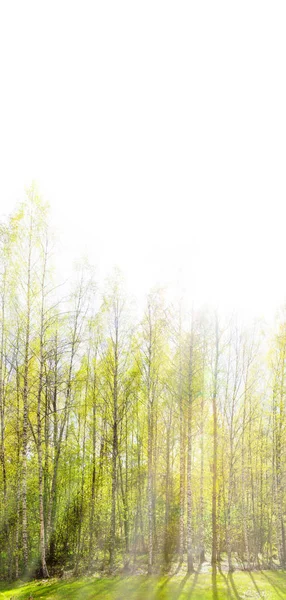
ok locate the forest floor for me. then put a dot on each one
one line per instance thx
(269, 585)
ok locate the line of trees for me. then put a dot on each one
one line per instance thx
(131, 442)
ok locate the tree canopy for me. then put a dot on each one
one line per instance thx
(131, 441)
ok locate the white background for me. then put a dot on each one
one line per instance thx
(156, 130)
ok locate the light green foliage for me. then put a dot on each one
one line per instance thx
(118, 453)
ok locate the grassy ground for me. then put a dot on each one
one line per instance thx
(269, 585)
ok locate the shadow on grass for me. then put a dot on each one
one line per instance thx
(281, 577)
(229, 591)
(255, 584)
(194, 582)
(236, 594)
(166, 580)
(184, 581)
(150, 588)
(181, 586)
(277, 588)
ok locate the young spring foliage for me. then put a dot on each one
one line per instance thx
(131, 442)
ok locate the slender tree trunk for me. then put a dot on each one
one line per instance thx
(114, 448)
(39, 435)
(41, 483)
(189, 463)
(93, 475)
(215, 454)
(2, 414)
(167, 492)
(244, 502)
(25, 403)
(182, 456)
(280, 419)
(228, 519)
(47, 447)
(155, 467)
(202, 512)
(124, 488)
(81, 501)
(252, 492)
(150, 409)
(18, 471)
(150, 486)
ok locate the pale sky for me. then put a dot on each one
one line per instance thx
(157, 132)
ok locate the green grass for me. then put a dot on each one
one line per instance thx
(269, 585)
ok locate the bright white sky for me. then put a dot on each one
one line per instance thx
(157, 132)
